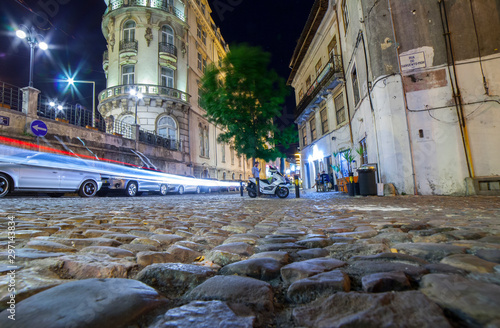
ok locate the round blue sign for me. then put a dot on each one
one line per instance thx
(38, 128)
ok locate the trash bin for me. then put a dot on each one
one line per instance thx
(367, 182)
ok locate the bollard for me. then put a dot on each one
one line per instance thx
(297, 191)
(241, 188)
(257, 180)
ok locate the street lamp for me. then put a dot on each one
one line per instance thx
(137, 96)
(34, 40)
(59, 108)
(71, 81)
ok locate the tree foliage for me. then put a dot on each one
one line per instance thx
(243, 96)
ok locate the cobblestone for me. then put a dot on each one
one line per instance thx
(331, 248)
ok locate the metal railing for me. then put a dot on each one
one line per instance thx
(147, 90)
(158, 4)
(122, 129)
(332, 70)
(74, 114)
(11, 97)
(168, 48)
(152, 138)
(129, 45)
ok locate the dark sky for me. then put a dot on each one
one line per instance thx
(73, 31)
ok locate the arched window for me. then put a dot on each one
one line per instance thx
(223, 150)
(224, 176)
(128, 74)
(167, 34)
(126, 127)
(241, 177)
(129, 31)
(167, 77)
(233, 176)
(232, 156)
(166, 127)
(202, 140)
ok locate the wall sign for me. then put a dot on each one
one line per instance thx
(413, 61)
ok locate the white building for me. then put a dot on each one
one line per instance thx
(160, 49)
(421, 92)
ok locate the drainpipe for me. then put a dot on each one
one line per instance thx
(415, 190)
(457, 96)
(343, 76)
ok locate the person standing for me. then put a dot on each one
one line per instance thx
(256, 170)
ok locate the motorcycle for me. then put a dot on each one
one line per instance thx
(277, 186)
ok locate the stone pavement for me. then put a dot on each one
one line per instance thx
(221, 260)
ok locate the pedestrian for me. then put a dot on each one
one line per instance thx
(317, 181)
(256, 170)
(325, 181)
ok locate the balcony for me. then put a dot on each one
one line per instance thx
(128, 48)
(156, 4)
(147, 90)
(168, 51)
(329, 78)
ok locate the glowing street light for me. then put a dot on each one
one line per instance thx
(72, 81)
(34, 40)
(137, 96)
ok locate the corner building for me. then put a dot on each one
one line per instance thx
(160, 49)
(420, 92)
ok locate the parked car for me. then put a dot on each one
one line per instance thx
(212, 186)
(189, 184)
(28, 171)
(132, 186)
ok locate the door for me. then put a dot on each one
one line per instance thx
(38, 177)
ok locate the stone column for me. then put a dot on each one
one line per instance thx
(30, 103)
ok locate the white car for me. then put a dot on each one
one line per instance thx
(47, 173)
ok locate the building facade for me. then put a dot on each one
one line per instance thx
(420, 87)
(157, 53)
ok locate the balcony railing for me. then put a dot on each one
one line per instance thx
(158, 4)
(129, 46)
(331, 71)
(147, 90)
(168, 48)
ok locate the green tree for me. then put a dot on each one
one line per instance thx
(243, 96)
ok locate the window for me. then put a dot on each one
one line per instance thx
(202, 63)
(128, 73)
(318, 67)
(324, 120)
(204, 37)
(202, 141)
(364, 157)
(167, 77)
(232, 155)
(203, 8)
(129, 31)
(308, 82)
(332, 47)
(355, 85)
(301, 94)
(198, 31)
(312, 126)
(126, 127)
(339, 108)
(207, 144)
(345, 14)
(167, 34)
(166, 127)
(239, 162)
(223, 151)
(304, 135)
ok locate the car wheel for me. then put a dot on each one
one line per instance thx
(163, 190)
(181, 190)
(4, 185)
(88, 189)
(131, 190)
(198, 190)
(56, 195)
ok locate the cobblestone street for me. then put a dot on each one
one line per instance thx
(221, 260)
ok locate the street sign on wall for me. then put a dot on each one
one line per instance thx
(38, 128)
(4, 120)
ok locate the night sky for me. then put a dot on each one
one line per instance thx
(73, 31)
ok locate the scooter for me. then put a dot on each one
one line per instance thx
(277, 186)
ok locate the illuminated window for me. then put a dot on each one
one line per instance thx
(129, 31)
(167, 77)
(167, 34)
(128, 74)
(355, 85)
(167, 127)
(340, 109)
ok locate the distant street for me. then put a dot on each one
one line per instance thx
(326, 247)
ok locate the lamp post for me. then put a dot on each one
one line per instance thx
(34, 40)
(71, 81)
(137, 96)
